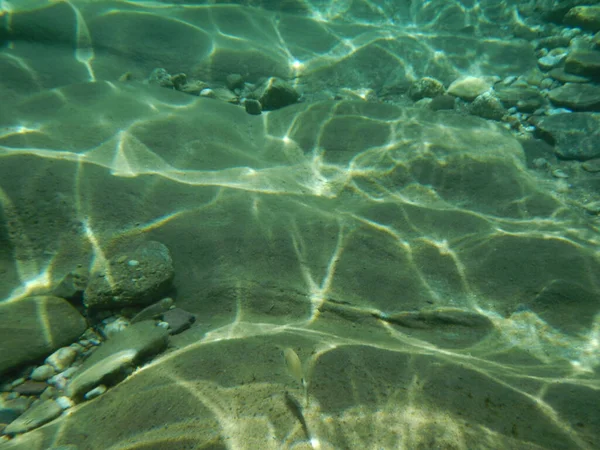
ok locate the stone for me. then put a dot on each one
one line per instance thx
(559, 74)
(31, 387)
(115, 357)
(178, 320)
(592, 165)
(593, 208)
(153, 311)
(584, 63)
(122, 284)
(576, 96)
(234, 81)
(574, 135)
(33, 327)
(487, 106)
(524, 98)
(585, 17)
(468, 88)
(161, 78)
(252, 107)
(442, 102)
(42, 373)
(40, 413)
(61, 358)
(426, 87)
(276, 93)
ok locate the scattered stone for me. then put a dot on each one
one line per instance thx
(275, 94)
(442, 102)
(426, 87)
(234, 81)
(559, 173)
(552, 42)
(31, 387)
(553, 59)
(225, 95)
(524, 98)
(161, 78)
(121, 284)
(42, 373)
(585, 17)
(40, 413)
(179, 80)
(33, 327)
(252, 106)
(178, 320)
(194, 87)
(574, 135)
(576, 96)
(62, 358)
(153, 311)
(114, 326)
(559, 74)
(584, 63)
(592, 166)
(468, 88)
(487, 106)
(116, 357)
(96, 392)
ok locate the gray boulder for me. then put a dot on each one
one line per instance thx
(139, 277)
(33, 327)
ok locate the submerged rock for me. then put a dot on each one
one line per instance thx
(139, 277)
(33, 327)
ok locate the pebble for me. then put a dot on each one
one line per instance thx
(96, 392)
(558, 173)
(42, 373)
(62, 358)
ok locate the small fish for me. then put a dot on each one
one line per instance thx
(294, 365)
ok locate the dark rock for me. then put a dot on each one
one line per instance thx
(574, 135)
(139, 277)
(583, 62)
(7, 415)
(276, 93)
(253, 106)
(31, 387)
(178, 320)
(525, 99)
(576, 96)
(33, 327)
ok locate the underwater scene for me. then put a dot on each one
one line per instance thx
(299, 224)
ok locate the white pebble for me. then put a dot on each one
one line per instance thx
(64, 402)
(96, 392)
